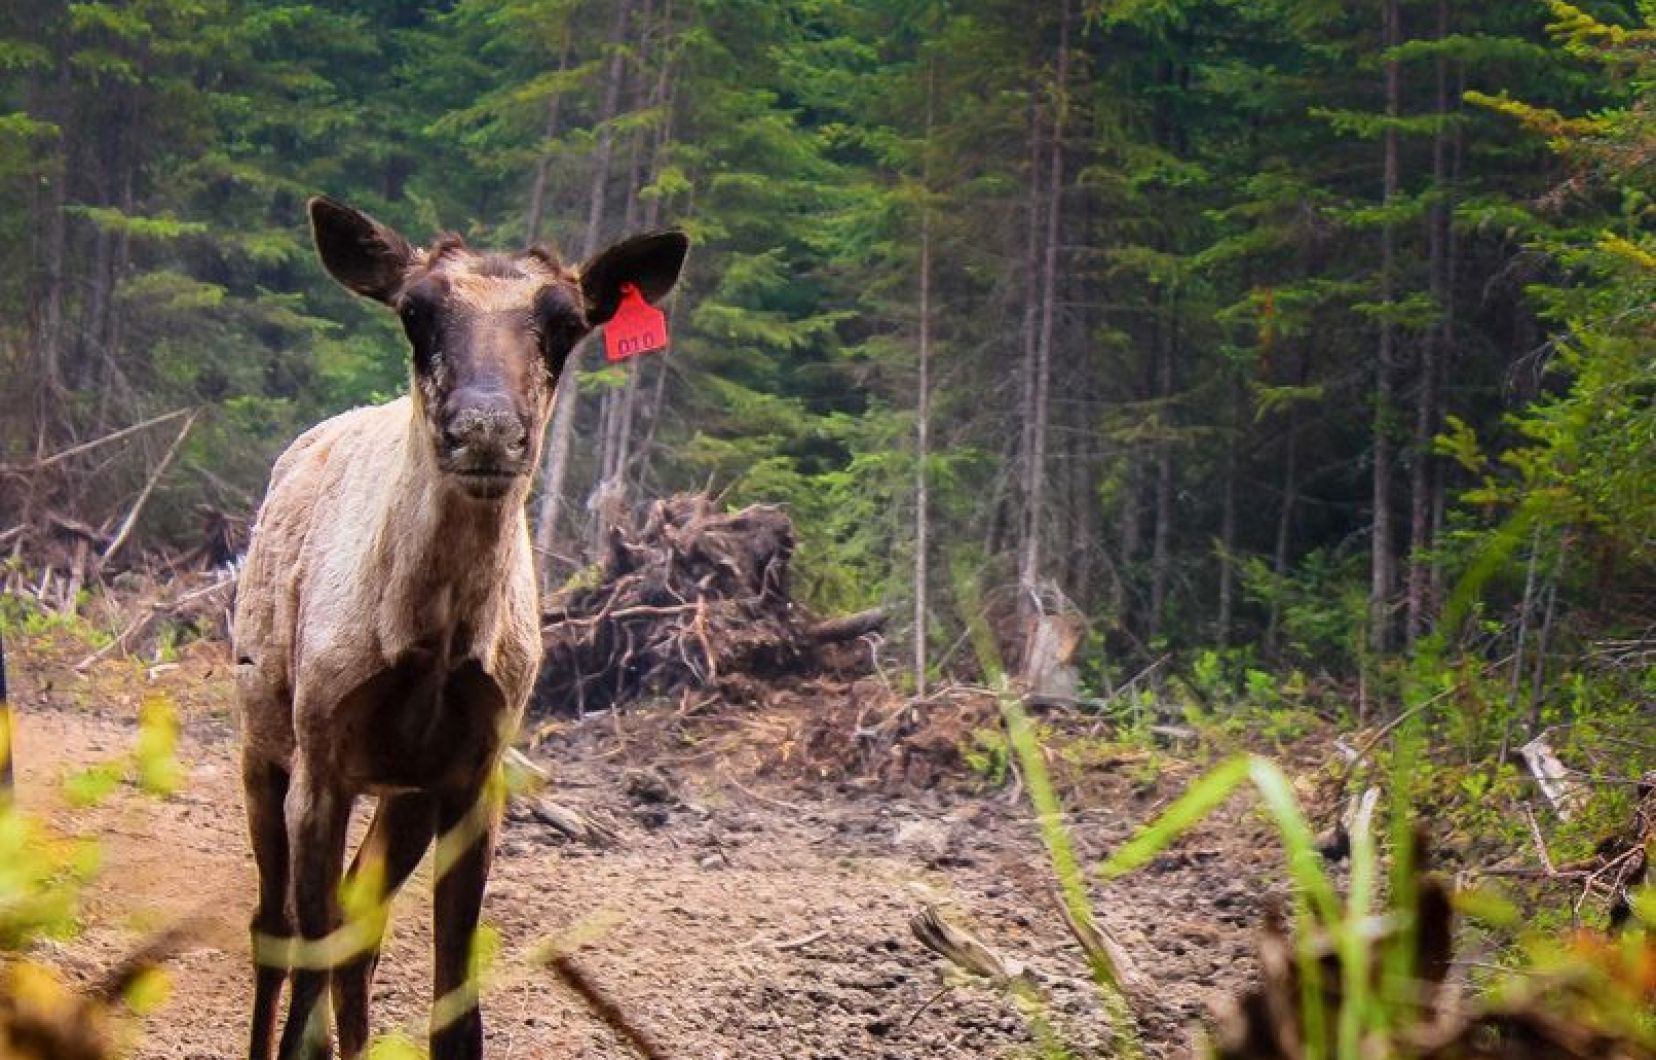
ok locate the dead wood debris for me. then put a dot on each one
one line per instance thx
(1552, 776)
(1620, 862)
(1547, 1021)
(1104, 951)
(694, 598)
(965, 950)
(572, 824)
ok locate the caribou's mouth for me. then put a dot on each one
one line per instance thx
(485, 483)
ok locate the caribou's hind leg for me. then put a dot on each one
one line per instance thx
(265, 786)
(395, 843)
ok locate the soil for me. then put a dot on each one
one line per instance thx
(757, 905)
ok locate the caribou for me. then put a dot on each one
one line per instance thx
(387, 626)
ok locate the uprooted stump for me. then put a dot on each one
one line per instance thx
(691, 599)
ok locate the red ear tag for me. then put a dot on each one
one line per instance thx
(637, 327)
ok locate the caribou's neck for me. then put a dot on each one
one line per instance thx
(451, 556)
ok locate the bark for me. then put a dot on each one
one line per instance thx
(1422, 532)
(1086, 552)
(1525, 607)
(618, 434)
(51, 311)
(1285, 512)
(1031, 317)
(1132, 522)
(1161, 548)
(1446, 352)
(662, 96)
(1382, 563)
(922, 441)
(1029, 570)
(114, 380)
(1538, 672)
(564, 406)
(611, 407)
(1227, 520)
(537, 191)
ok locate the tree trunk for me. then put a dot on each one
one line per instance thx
(922, 440)
(1524, 610)
(1031, 317)
(1421, 469)
(1446, 352)
(52, 309)
(1029, 570)
(1161, 548)
(537, 191)
(619, 422)
(1282, 550)
(663, 367)
(564, 404)
(662, 96)
(1227, 519)
(616, 414)
(1382, 565)
(1538, 672)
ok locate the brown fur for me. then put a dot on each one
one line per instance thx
(387, 632)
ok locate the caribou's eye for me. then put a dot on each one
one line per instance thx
(559, 324)
(418, 311)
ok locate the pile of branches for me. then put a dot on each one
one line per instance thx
(693, 598)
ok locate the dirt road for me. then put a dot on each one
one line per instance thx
(738, 918)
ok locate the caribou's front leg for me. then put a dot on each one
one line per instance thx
(266, 788)
(396, 841)
(467, 823)
(317, 814)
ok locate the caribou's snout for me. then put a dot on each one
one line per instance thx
(485, 441)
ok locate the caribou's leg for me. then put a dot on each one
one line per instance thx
(265, 786)
(317, 814)
(396, 840)
(467, 823)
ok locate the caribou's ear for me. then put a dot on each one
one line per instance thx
(362, 254)
(651, 263)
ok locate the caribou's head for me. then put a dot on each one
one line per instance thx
(489, 331)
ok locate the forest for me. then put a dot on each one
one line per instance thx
(1171, 396)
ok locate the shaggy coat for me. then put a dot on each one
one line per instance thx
(387, 621)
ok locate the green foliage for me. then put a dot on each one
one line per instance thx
(988, 754)
(39, 879)
(1221, 287)
(1319, 605)
(1375, 1018)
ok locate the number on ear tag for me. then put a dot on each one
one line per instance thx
(637, 327)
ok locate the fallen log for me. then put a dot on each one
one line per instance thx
(847, 627)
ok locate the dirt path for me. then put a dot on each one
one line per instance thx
(735, 920)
